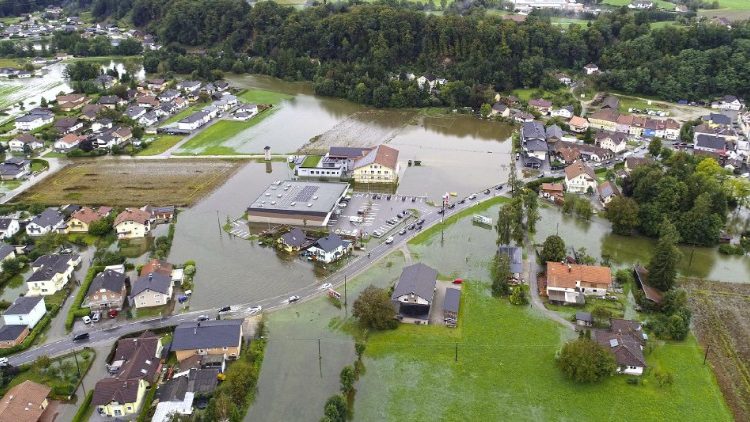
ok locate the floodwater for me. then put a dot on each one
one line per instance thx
(596, 236)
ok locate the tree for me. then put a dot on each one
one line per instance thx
(622, 212)
(374, 310)
(662, 269)
(12, 266)
(505, 215)
(519, 295)
(43, 103)
(101, 227)
(485, 110)
(584, 209)
(347, 377)
(359, 349)
(654, 148)
(553, 249)
(336, 409)
(500, 274)
(585, 361)
(137, 132)
(531, 202)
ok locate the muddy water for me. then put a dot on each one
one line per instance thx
(597, 238)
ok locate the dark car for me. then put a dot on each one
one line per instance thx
(451, 206)
(421, 221)
(487, 192)
(403, 199)
(462, 201)
(411, 227)
(388, 197)
(414, 199)
(499, 187)
(225, 309)
(440, 211)
(81, 337)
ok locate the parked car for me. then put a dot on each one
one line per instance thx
(451, 206)
(462, 201)
(402, 231)
(256, 309)
(293, 299)
(499, 187)
(458, 281)
(203, 318)
(86, 319)
(411, 227)
(96, 316)
(421, 221)
(81, 337)
(4, 362)
(225, 309)
(325, 286)
(389, 240)
(112, 313)
(487, 192)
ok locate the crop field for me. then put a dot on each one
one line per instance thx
(131, 183)
(721, 318)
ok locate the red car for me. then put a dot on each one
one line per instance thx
(112, 313)
(458, 281)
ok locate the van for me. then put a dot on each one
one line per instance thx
(81, 337)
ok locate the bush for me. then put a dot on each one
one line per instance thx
(75, 310)
(584, 361)
(374, 310)
(728, 249)
(520, 296)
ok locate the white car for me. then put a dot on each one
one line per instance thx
(86, 319)
(325, 286)
(389, 240)
(293, 299)
(4, 362)
(256, 309)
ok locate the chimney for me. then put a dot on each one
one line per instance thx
(150, 276)
(570, 269)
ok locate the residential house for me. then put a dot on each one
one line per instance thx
(553, 192)
(632, 162)
(293, 240)
(414, 293)
(672, 129)
(15, 168)
(12, 335)
(111, 101)
(168, 95)
(50, 220)
(7, 252)
(626, 340)
(26, 310)
(176, 395)
(522, 117)
(71, 101)
(24, 142)
(137, 358)
(220, 337)
(117, 398)
(616, 142)
(609, 102)
(114, 137)
(584, 319)
(67, 125)
(380, 165)
(607, 191)
(26, 402)
(51, 273)
(580, 178)
(9, 226)
(533, 131)
(108, 290)
(101, 125)
(553, 133)
(157, 266)
(132, 223)
(578, 124)
(637, 126)
(163, 214)
(541, 105)
(653, 129)
(651, 294)
(728, 102)
(570, 283)
(221, 86)
(245, 111)
(567, 152)
(565, 112)
(34, 120)
(153, 289)
(711, 143)
(591, 69)
(536, 149)
(330, 248)
(500, 109)
(604, 120)
(515, 260)
(135, 112)
(624, 122)
(194, 121)
(148, 119)
(68, 142)
(147, 101)
(641, 4)
(156, 84)
(564, 79)
(105, 81)
(430, 81)
(717, 120)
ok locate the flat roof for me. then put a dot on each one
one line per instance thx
(297, 196)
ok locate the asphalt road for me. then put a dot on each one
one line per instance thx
(349, 271)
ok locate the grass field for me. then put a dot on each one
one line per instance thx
(210, 141)
(6, 92)
(11, 62)
(184, 113)
(506, 371)
(734, 4)
(311, 161)
(131, 183)
(259, 96)
(160, 144)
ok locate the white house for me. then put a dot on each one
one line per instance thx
(51, 273)
(18, 144)
(414, 293)
(33, 121)
(580, 178)
(614, 141)
(564, 112)
(26, 310)
(8, 227)
(153, 289)
(626, 340)
(50, 220)
(330, 248)
(728, 102)
(591, 69)
(194, 121)
(132, 223)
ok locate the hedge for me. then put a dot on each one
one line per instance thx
(80, 415)
(29, 340)
(75, 310)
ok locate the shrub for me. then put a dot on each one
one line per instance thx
(728, 249)
(584, 361)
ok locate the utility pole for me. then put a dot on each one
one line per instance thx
(708, 347)
(346, 309)
(75, 357)
(456, 359)
(320, 356)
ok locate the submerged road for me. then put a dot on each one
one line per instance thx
(350, 270)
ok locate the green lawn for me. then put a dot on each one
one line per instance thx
(734, 4)
(184, 113)
(259, 96)
(55, 154)
(153, 311)
(12, 62)
(311, 161)
(627, 102)
(427, 234)
(160, 144)
(506, 371)
(210, 140)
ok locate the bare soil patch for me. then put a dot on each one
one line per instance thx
(721, 319)
(131, 182)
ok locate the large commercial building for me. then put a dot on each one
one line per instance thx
(297, 203)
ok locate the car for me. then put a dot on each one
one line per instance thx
(325, 286)
(256, 309)
(403, 199)
(541, 176)
(81, 337)
(112, 313)
(225, 309)
(399, 216)
(389, 240)
(499, 187)
(458, 281)
(343, 204)
(440, 211)
(4, 362)
(388, 198)
(518, 156)
(402, 231)
(473, 196)
(96, 316)
(487, 192)
(86, 319)
(411, 227)
(419, 228)
(414, 199)
(294, 298)
(462, 201)
(451, 206)
(203, 318)
(421, 221)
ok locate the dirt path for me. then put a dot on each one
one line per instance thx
(407, 254)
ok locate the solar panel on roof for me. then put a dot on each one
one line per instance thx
(306, 193)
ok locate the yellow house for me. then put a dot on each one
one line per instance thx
(380, 165)
(604, 119)
(80, 220)
(219, 337)
(115, 398)
(132, 224)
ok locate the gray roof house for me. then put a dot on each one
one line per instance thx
(14, 168)
(7, 251)
(23, 305)
(193, 337)
(51, 219)
(156, 282)
(533, 130)
(107, 290)
(330, 248)
(515, 258)
(294, 239)
(710, 143)
(414, 293)
(553, 133)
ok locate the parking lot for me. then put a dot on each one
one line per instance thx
(376, 213)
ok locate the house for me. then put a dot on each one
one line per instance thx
(330, 248)
(591, 69)
(430, 81)
(25, 402)
(81, 219)
(137, 358)
(632, 162)
(152, 289)
(533, 131)
(522, 117)
(711, 143)
(565, 112)
(163, 214)
(24, 142)
(219, 337)
(15, 168)
(168, 95)
(26, 310)
(552, 191)
(728, 102)
(116, 398)
(149, 119)
(380, 165)
(580, 178)
(51, 273)
(616, 142)
(105, 81)
(156, 84)
(564, 79)
(132, 223)
(111, 101)
(12, 335)
(553, 133)
(68, 142)
(71, 101)
(626, 340)
(451, 304)
(515, 260)
(570, 283)
(34, 120)
(536, 149)
(414, 293)
(176, 395)
(672, 129)
(8, 227)
(50, 220)
(67, 125)
(293, 240)
(100, 125)
(717, 120)
(607, 191)
(147, 101)
(114, 137)
(135, 112)
(108, 290)
(578, 124)
(500, 109)
(541, 105)
(245, 111)
(194, 121)
(641, 4)
(584, 319)
(157, 266)
(604, 120)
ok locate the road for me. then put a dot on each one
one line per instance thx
(536, 301)
(354, 267)
(55, 164)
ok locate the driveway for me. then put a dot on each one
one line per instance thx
(530, 267)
